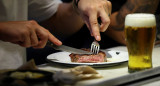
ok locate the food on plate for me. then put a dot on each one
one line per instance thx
(88, 58)
(24, 75)
(85, 72)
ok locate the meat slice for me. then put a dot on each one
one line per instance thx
(88, 58)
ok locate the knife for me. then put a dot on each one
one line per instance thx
(73, 50)
(68, 49)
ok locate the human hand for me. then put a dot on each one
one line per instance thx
(91, 10)
(26, 34)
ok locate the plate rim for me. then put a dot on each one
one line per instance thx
(103, 64)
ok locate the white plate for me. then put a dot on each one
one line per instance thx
(63, 58)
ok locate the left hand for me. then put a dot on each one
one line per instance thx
(91, 10)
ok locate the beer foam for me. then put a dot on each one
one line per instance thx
(140, 20)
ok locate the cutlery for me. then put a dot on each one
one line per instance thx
(68, 49)
(73, 50)
(95, 47)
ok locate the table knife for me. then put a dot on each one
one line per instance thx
(68, 49)
(73, 50)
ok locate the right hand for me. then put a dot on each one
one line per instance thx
(26, 34)
(91, 10)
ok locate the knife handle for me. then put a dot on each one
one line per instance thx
(52, 45)
(49, 43)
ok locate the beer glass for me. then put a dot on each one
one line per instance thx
(140, 33)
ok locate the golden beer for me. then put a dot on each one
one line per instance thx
(140, 33)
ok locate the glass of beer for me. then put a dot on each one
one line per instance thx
(140, 34)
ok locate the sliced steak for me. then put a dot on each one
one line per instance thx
(88, 58)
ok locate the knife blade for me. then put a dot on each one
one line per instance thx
(68, 49)
(74, 50)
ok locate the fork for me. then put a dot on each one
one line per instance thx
(95, 47)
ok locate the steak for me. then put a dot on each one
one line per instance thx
(88, 58)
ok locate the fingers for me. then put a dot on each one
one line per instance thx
(101, 10)
(105, 13)
(94, 25)
(109, 6)
(36, 36)
(44, 35)
(29, 39)
(53, 39)
(105, 19)
(42, 38)
(33, 38)
(28, 34)
(25, 40)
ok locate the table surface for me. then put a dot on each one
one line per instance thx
(113, 71)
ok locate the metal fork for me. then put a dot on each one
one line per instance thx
(95, 47)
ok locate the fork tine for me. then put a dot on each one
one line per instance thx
(92, 47)
(95, 47)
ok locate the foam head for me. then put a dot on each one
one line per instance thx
(140, 20)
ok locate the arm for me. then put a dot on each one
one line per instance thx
(116, 27)
(31, 34)
(66, 21)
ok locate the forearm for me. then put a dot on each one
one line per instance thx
(65, 22)
(116, 35)
(132, 6)
(116, 27)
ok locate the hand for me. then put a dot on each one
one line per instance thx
(91, 10)
(26, 34)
